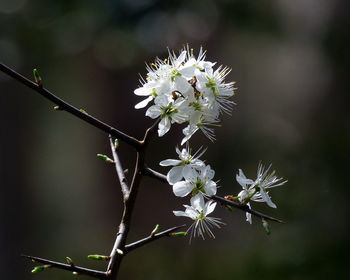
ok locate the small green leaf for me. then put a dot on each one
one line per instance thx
(105, 158)
(37, 77)
(116, 143)
(40, 268)
(83, 111)
(98, 257)
(155, 230)
(69, 261)
(178, 234)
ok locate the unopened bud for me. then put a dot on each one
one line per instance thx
(155, 230)
(105, 158)
(120, 252)
(178, 234)
(266, 226)
(57, 108)
(83, 111)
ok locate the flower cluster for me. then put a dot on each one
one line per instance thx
(190, 176)
(186, 89)
(257, 190)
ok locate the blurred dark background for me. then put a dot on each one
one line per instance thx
(291, 62)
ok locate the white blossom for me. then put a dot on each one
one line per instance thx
(198, 211)
(197, 181)
(180, 166)
(257, 190)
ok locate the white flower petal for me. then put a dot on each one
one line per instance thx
(190, 174)
(248, 215)
(267, 198)
(181, 84)
(188, 132)
(174, 175)
(209, 207)
(208, 172)
(170, 162)
(153, 112)
(192, 213)
(182, 188)
(188, 71)
(144, 102)
(197, 202)
(162, 100)
(180, 213)
(143, 91)
(210, 188)
(163, 126)
(242, 180)
(181, 58)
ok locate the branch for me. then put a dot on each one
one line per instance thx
(144, 241)
(120, 171)
(68, 267)
(245, 208)
(71, 109)
(161, 177)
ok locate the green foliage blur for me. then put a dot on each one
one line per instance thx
(291, 62)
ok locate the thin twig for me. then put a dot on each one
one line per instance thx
(154, 174)
(120, 171)
(161, 177)
(150, 132)
(150, 238)
(63, 105)
(245, 208)
(78, 269)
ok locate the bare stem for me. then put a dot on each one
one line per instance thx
(71, 109)
(161, 177)
(120, 171)
(78, 269)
